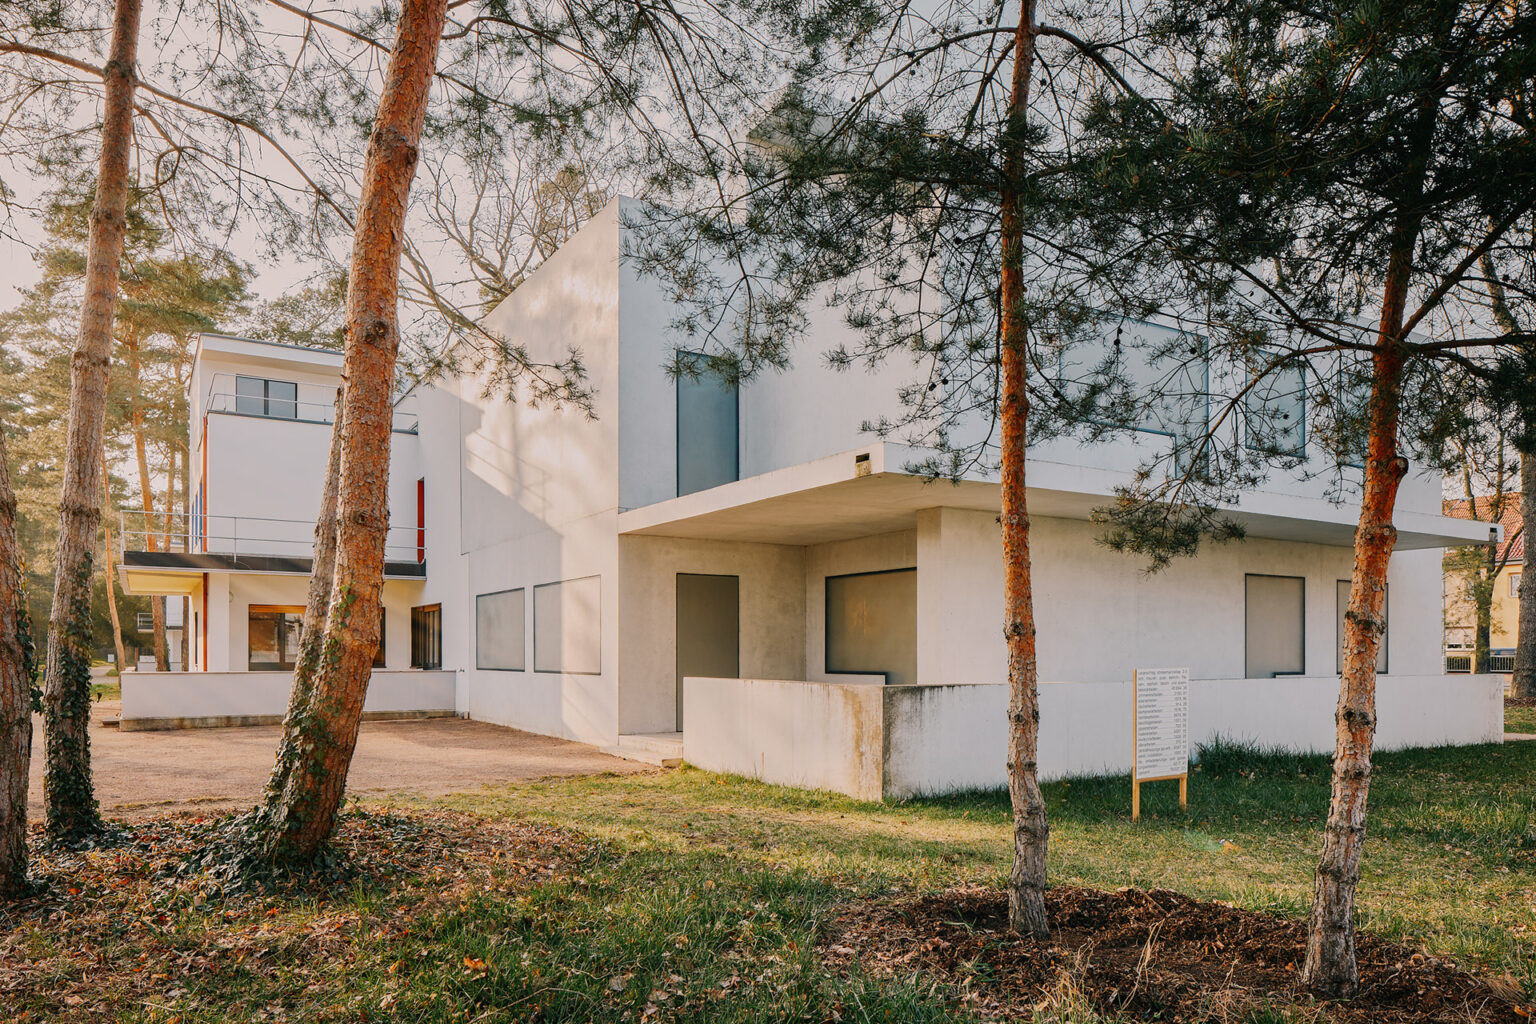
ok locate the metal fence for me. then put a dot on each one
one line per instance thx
(236, 536)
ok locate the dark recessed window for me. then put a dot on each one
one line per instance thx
(427, 636)
(872, 625)
(257, 396)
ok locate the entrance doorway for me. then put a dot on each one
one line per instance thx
(708, 629)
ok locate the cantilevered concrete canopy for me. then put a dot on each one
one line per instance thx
(867, 491)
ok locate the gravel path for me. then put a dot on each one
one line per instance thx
(143, 773)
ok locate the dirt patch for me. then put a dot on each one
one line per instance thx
(1155, 954)
(136, 922)
(1520, 702)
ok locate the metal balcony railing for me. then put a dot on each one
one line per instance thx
(1462, 662)
(242, 536)
(221, 397)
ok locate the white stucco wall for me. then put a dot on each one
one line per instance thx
(772, 615)
(945, 738)
(530, 493)
(937, 739)
(812, 735)
(1099, 614)
(215, 695)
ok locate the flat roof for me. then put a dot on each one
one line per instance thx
(865, 491)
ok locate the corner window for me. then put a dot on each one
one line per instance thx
(1274, 631)
(257, 396)
(707, 427)
(568, 626)
(872, 625)
(1341, 598)
(427, 636)
(499, 631)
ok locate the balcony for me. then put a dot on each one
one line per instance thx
(164, 553)
(235, 395)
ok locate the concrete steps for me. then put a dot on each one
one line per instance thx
(664, 749)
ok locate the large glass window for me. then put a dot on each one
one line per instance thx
(499, 631)
(568, 626)
(427, 636)
(1275, 412)
(872, 625)
(273, 633)
(257, 396)
(707, 428)
(1341, 598)
(1274, 634)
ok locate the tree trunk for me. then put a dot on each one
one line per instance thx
(67, 792)
(1330, 967)
(305, 813)
(1483, 582)
(17, 670)
(312, 634)
(117, 625)
(1027, 878)
(1523, 684)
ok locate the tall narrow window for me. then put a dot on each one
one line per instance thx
(707, 427)
(1275, 412)
(1341, 597)
(872, 625)
(499, 631)
(1275, 631)
(427, 636)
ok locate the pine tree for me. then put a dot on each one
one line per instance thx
(1313, 189)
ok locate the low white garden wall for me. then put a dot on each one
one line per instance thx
(813, 735)
(189, 700)
(935, 739)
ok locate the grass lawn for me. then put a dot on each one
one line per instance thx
(689, 896)
(109, 690)
(1520, 720)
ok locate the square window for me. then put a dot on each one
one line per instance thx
(1275, 626)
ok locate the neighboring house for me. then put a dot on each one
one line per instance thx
(1460, 610)
(748, 579)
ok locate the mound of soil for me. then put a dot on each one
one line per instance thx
(1154, 954)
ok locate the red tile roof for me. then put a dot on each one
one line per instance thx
(1513, 547)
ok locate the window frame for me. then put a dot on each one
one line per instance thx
(522, 627)
(826, 632)
(284, 612)
(1300, 451)
(266, 398)
(433, 628)
(562, 670)
(677, 427)
(1276, 576)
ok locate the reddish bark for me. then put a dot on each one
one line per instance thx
(321, 745)
(67, 792)
(1330, 966)
(15, 695)
(1027, 879)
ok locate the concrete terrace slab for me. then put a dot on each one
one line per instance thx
(139, 774)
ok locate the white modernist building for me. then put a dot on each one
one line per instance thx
(746, 579)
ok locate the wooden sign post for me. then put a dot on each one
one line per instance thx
(1159, 731)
